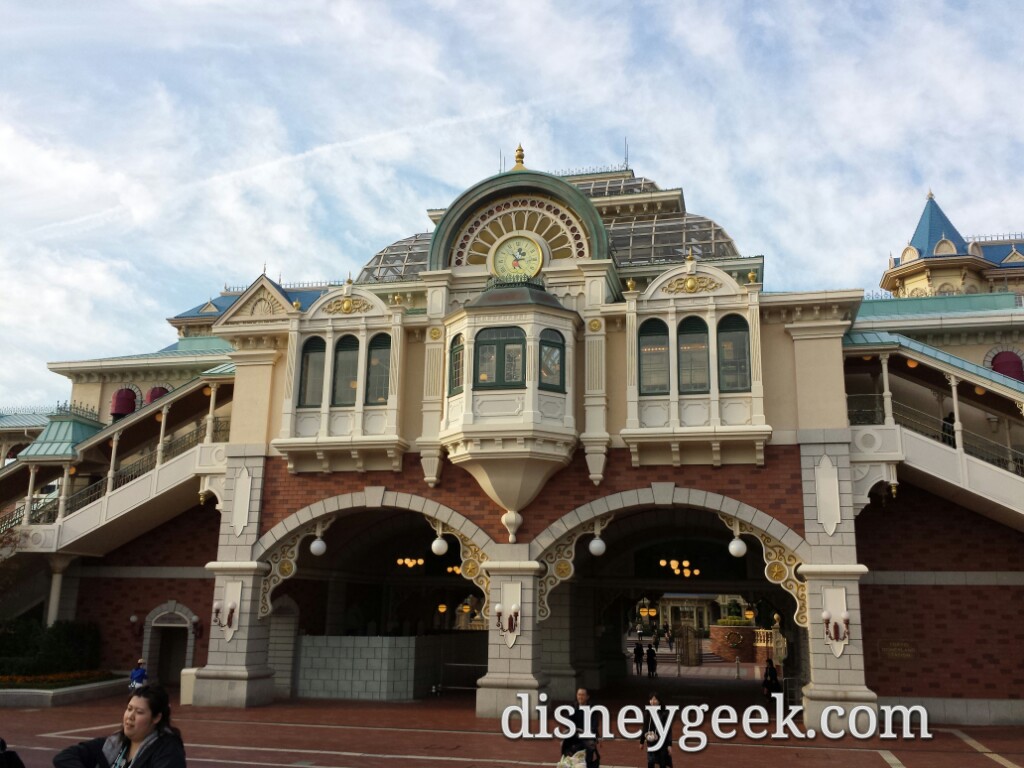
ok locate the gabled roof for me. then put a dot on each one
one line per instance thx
(933, 227)
(212, 308)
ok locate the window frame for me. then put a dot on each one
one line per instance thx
(517, 338)
(644, 389)
(346, 349)
(457, 365)
(682, 332)
(550, 339)
(381, 342)
(726, 334)
(304, 372)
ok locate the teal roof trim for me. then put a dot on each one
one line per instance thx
(23, 420)
(937, 305)
(859, 339)
(59, 438)
(933, 226)
(225, 369)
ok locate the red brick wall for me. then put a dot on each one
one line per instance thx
(962, 642)
(918, 531)
(775, 488)
(745, 651)
(958, 641)
(188, 540)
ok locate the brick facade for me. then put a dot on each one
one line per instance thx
(774, 488)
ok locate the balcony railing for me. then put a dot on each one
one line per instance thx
(869, 409)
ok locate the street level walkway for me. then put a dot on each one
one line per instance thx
(445, 733)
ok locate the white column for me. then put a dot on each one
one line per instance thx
(957, 426)
(64, 483)
(886, 392)
(210, 421)
(632, 362)
(715, 416)
(113, 461)
(163, 433)
(58, 564)
(291, 363)
(756, 373)
(673, 369)
(32, 469)
(328, 386)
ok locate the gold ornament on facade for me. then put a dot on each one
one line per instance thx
(751, 276)
(631, 284)
(435, 333)
(595, 325)
(691, 284)
(282, 566)
(347, 306)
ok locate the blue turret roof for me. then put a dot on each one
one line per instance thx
(933, 227)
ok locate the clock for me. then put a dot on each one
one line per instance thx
(518, 256)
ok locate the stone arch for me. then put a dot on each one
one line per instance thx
(279, 547)
(780, 543)
(998, 348)
(170, 614)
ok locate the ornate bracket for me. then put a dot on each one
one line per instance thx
(780, 565)
(558, 561)
(473, 559)
(284, 561)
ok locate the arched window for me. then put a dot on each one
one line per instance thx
(378, 370)
(1009, 364)
(552, 361)
(155, 394)
(694, 377)
(653, 358)
(456, 365)
(122, 403)
(500, 358)
(311, 373)
(733, 354)
(345, 383)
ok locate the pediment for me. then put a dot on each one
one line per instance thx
(348, 302)
(262, 302)
(1014, 257)
(692, 280)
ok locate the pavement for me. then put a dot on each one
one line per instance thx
(444, 732)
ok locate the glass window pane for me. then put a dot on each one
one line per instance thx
(378, 373)
(693, 363)
(456, 366)
(550, 366)
(513, 363)
(733, 362)
(487, 370)
(311, 376)
(654, 364)
(346, 374)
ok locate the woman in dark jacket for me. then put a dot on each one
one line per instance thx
(146, 739)
(649, 739)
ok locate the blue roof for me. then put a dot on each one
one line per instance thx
(997, 253)
(933, 226)
(855, 339)
(212, 308)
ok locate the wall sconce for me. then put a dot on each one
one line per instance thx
(979, 391)
(748, 614)
(442, 608)
(226, 624)
(318, 546)
(197, 626)
(136, 625)
(737, 547)
(158, 416)
(832, 631)
(207, 390)
(912, 363)
(510, 625)
(439, 546)
(597, 546)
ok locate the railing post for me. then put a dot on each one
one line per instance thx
(163, 431)
(32, 469)
(958, 428)
(113, 461)
(886, 392)
(209, 417)
(64, 483)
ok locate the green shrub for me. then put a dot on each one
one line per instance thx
(735, 621)
(67, 646)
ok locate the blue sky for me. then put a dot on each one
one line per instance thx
(152, 152)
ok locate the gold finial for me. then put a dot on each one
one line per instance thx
(752, 276)
(520, 156)
(631, 284)
(689, 253)
(349, 281)
(297, 304)
(930, 195)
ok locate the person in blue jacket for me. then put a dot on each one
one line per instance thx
(137, 679)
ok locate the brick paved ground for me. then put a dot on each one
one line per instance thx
(445, 733)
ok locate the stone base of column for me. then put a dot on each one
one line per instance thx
(495, 693)
(233, 687)
(561, 682)
(818, 697)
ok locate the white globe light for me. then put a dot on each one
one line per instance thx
(318, 547)
(439, 546)
(597, 546)
(737, 547)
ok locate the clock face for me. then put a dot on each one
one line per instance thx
(518, 256)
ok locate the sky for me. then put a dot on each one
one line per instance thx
(154, 151)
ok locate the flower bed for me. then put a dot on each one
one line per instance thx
(52, 682)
